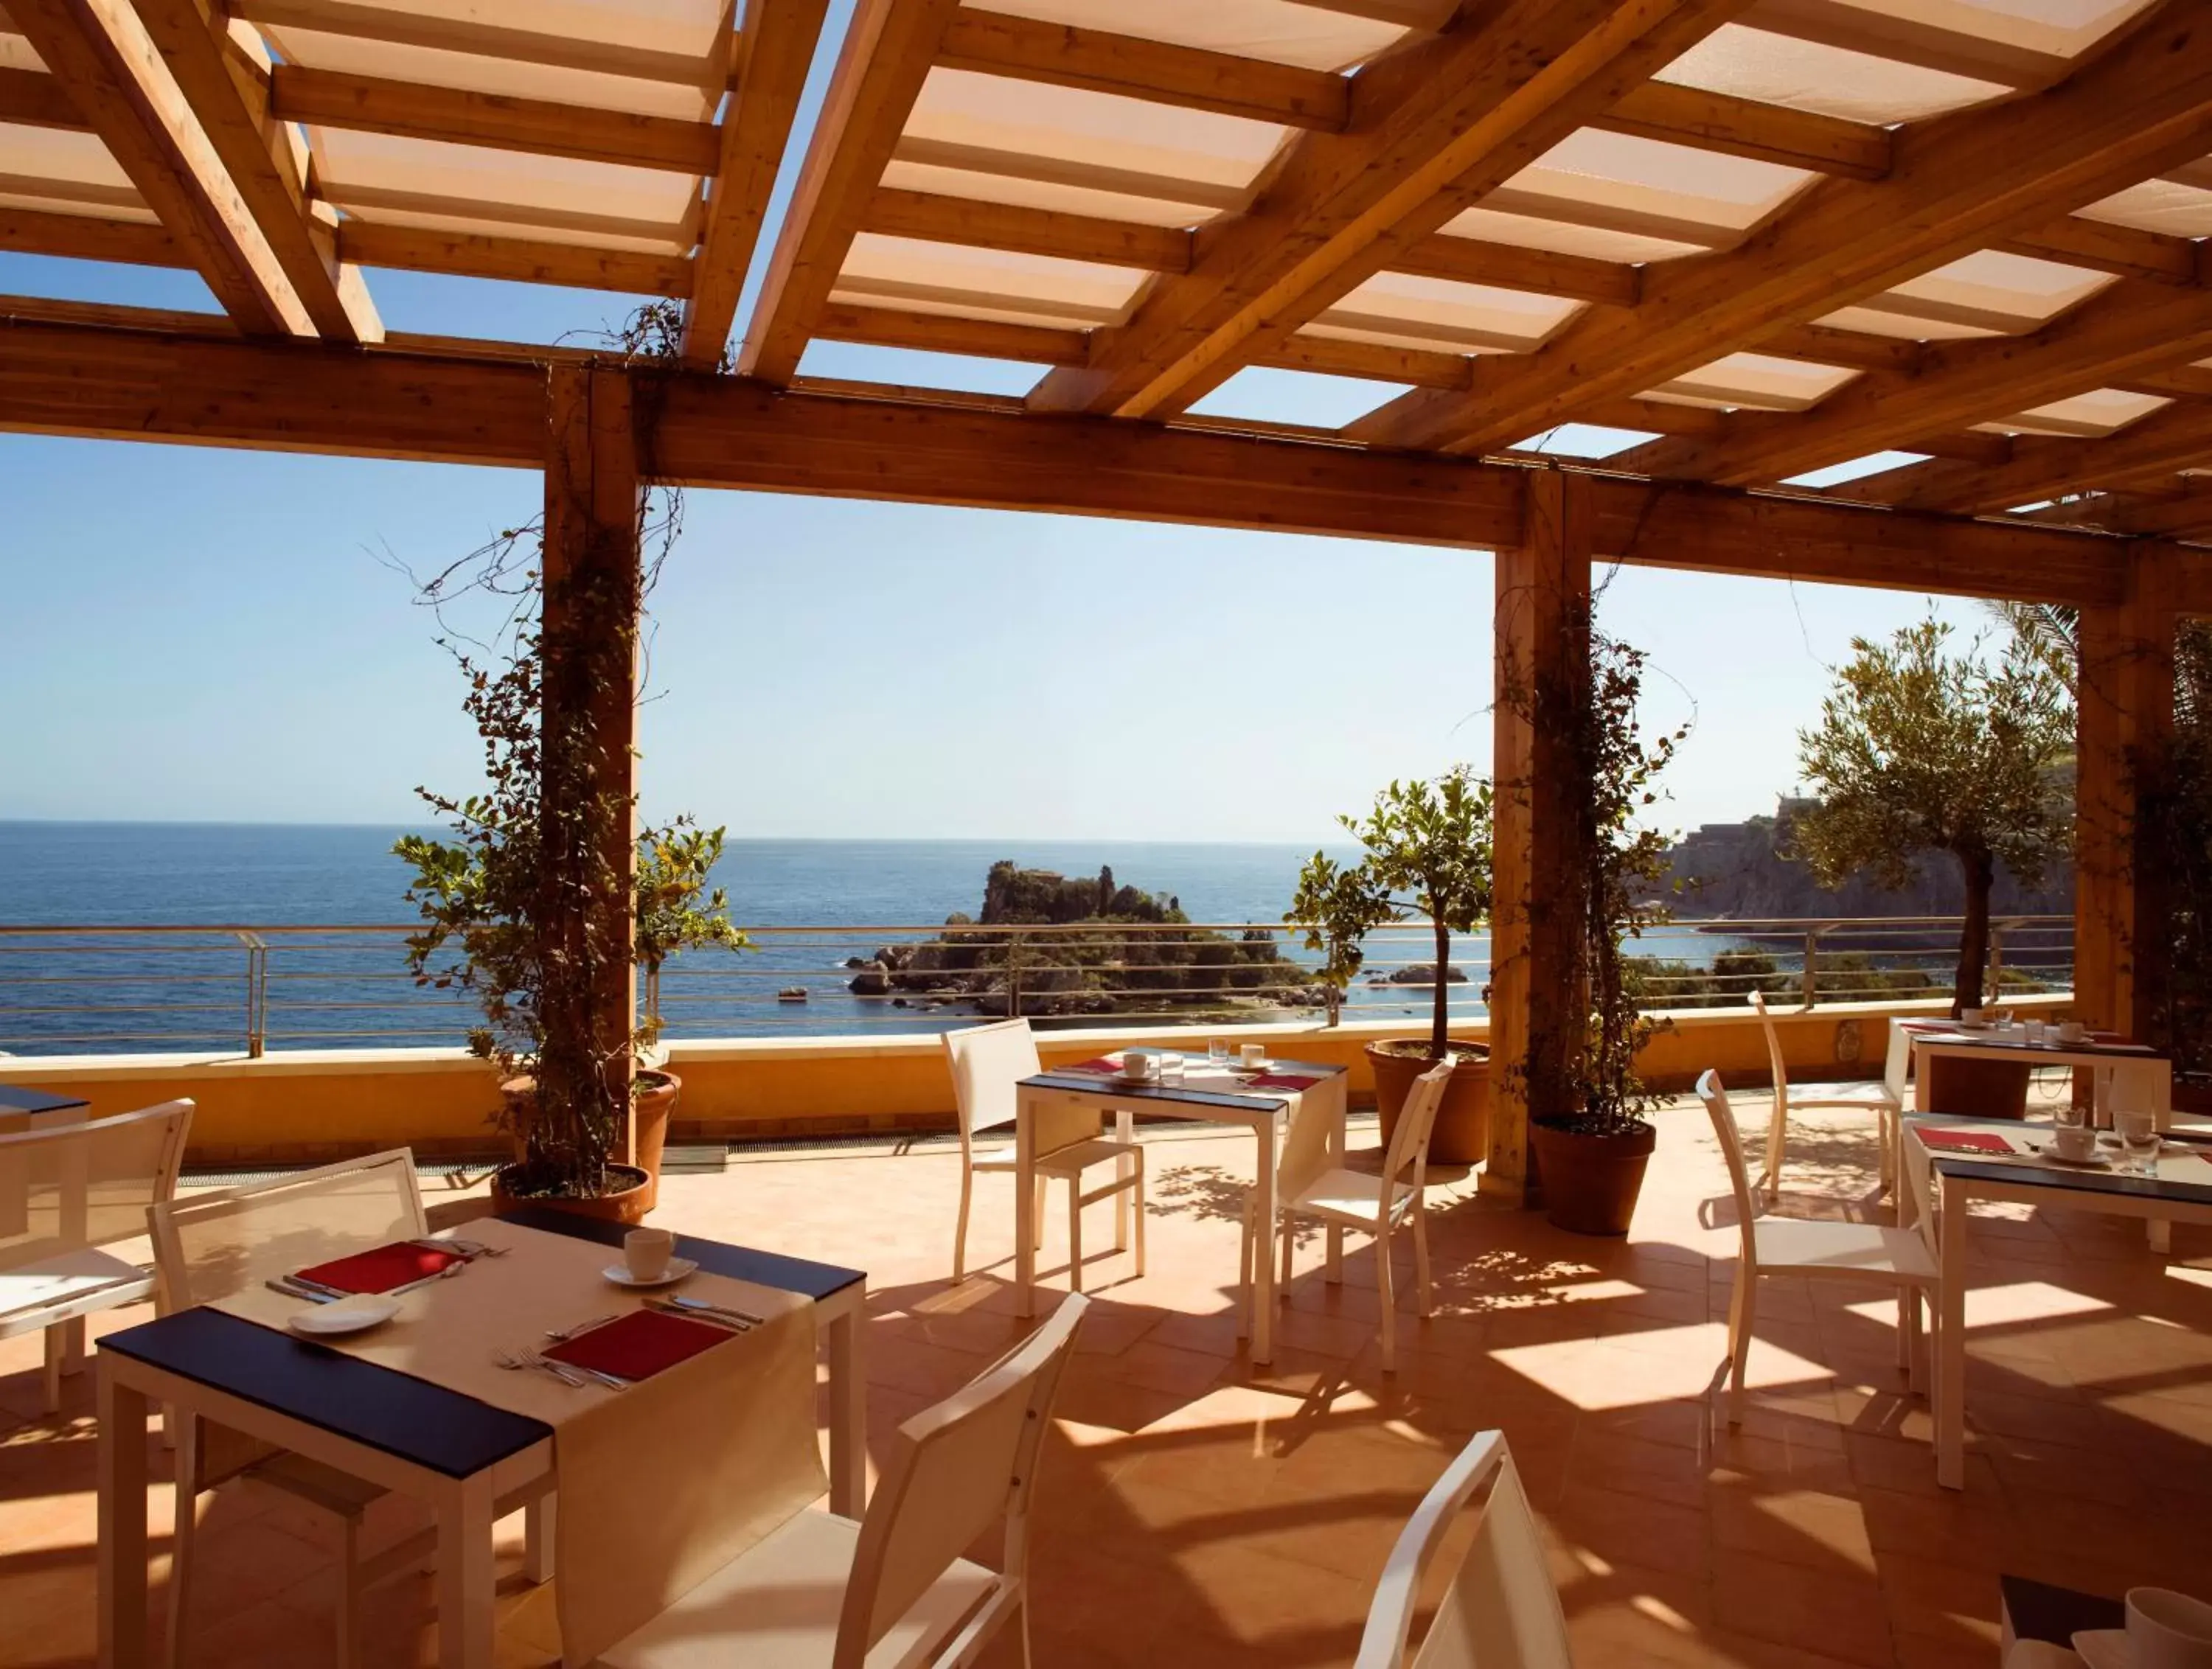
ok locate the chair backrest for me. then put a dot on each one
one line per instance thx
(1499, 1611)
(1773, 1051)
(956, 1469)
(1897, 1060)
(1715, 1097)
(1417, 1123)
(987, 1062)
(87, 1182)
(215, 1244)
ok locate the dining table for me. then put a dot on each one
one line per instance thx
(444, 1432)
(1294, 1109)
(1948, 1164)
(2120, 1072)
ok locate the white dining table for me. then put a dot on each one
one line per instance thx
(1298, 1133)
(1948, 1179)
(2129, 1076)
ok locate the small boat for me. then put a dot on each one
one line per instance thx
(792, 994)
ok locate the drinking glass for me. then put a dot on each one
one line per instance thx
(2139, 1143)
(1217, 1050)
(1171, 1064)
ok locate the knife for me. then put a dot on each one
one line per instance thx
(703, 1313)
(303, 1286)
(283, 1284)
(719, 1309)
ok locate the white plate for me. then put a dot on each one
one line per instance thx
(345, 1315)
(2104, 1649)
(2093, 1162)
(677, 1270)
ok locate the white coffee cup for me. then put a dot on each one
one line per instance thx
(1253, 1054)
(1140, 1064)
(2072, 1031)
(2075, 1142)
(2168, 1630)
(646, 1252)
(1973, 1016)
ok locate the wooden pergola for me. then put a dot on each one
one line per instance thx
(1757, 240)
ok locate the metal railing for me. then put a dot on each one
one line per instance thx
(249, 989)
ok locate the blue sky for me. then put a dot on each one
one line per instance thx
(199, 634)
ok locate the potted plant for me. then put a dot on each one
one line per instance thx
(1589, 1135)
(1427, 848)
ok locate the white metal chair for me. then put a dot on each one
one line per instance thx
(1902, 1259)
(1499, 1611)
(823, 1591)
(987, 1062)
(71, 1186)
(1885, 1100)
(1373, 1204)
(211, 1245)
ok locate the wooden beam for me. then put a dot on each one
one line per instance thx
(369, 104)
(1959, 383)
(948, 333)
(519, 260)
(1427, 17)
(733, 431)
(31, 97)
(774, 54)
(1744, 127)
(888, 50)
(977, 224)
(104, 56)
(1908, 40)
(2104, 247)
(1958, 183)
(1862, 350)
(1541, 660)
(1509, 266)
(2146, 451)
(1061, 55)
(1336, 356)
(1437, 125)
(446, 33)
(89, 238)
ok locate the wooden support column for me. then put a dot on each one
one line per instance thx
(1542, 628)
(592, 595)
(2125, 727)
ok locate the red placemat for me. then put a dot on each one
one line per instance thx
(1107, 1068)
(1282, 1081)
(387, 1267)
(639, 1344)
(1981, 1141)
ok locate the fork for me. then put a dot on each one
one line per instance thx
(612, 1381)
(561, 1335)
(518, 1359)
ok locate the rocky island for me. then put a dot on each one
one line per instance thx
(1118, 950)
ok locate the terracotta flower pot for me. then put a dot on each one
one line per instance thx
(1590, 1182)
(628, 1204)
(653, 1102)
(1462, 1136)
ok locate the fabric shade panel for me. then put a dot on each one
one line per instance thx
(1559, 237)
(691, 99)
(2172, 206)
(931, 277)
(65, 172)
(1618, 182)
(1275, 31)
(1987, 293)
(1405, 310)
(1759, 381)
(2101, 411)
(1750, 63)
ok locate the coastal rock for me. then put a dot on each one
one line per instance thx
(1425, 973)
(872, 981)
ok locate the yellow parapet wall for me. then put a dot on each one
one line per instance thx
(305, 1107)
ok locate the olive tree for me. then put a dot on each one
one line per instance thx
(1920, 749)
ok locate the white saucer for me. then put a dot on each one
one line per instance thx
(2093, 1162)
(1256, 1067)
(677, 1270)
(2104, 1649)
(345, 1315)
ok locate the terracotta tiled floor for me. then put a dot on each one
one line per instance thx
(1196, 1509)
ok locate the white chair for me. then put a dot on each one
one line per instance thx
(1374, 1204)
(1866, 1252)
(987, 1062)
(71, 1186)
(1885, 1100)
(1499, 1610)
(212, 1244)
(823, 1591)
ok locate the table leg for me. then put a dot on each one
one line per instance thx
(1920, 1076)
(1025, 1206)
(540, 1524)
(1950, 1389)
(1263, 1261)
(849, 1410)
(2161, 1235)
(465, 1576)
(122, 1470)
(1336, 1153)
(1124, 1169)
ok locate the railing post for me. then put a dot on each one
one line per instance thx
(1810, 980)
(257, 994)
(1994, 975)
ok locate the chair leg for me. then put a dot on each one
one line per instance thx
(51, 1387)
(184, 1534)
(1775, 1140)
(1741, 1304)
(1075, 1234)
(1290, 1240)
(1245, 1274)
(1421, 1259)
(1916, 1354)
(1141, 1211)
(348, 1610)
(960, 1231)
(1037, 1209)
(1389, 1300)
